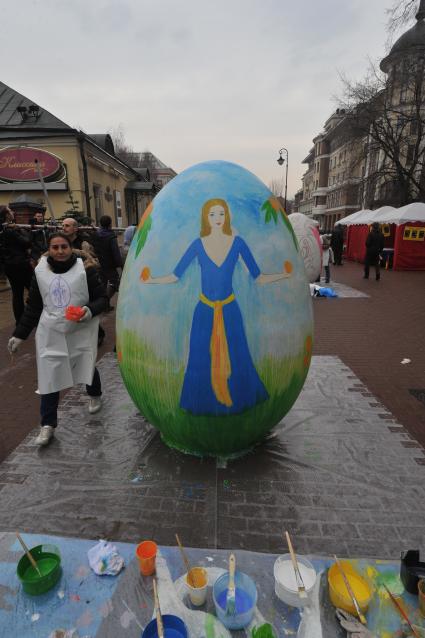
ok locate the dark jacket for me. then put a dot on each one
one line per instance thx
(98, 299)
(16, 245)
(337, 239)
(107, 249)
(374, 243)
(39, 237)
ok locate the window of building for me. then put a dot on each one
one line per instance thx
(414, 127)
(410, 153)
(97, 195)
(117, 205)
(403, 95)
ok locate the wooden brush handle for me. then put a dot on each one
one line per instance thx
(28, 553)
(349, 589)
(293, 558)
(186, 562)
(159, 625)
(232, 569)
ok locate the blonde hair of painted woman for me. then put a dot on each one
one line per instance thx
(205, 224)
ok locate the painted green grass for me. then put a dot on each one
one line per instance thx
(155, 387)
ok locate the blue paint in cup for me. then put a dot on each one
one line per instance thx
(174, 627)
(245, 600)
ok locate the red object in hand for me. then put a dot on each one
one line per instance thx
(74, 313)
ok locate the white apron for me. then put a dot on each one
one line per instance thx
(66, 350)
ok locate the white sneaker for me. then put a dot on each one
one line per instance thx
(95, 404)
(46, 433)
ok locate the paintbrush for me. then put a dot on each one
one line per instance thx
(401, 611)
(159, 623)
(186, 562)
(350, 592)
(231, 590)
(299, 579)
(29, 555)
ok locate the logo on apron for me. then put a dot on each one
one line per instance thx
(60, 292)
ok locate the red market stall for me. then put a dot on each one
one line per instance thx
(404, 232)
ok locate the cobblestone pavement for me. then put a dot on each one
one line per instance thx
(342, 476)
(373, 335)
(345, 473)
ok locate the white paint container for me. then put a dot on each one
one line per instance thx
(285, 584)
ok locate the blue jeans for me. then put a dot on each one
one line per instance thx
(49, 402)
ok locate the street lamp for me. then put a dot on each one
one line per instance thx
(281, 161)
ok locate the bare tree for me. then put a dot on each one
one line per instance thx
(400, 14)
(122, 149)
(386, 115)
(276, 187)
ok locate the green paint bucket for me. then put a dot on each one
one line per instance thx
(48, 562)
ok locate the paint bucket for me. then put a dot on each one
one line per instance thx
(246, 600)
(285, 584)
(338, 591)
(174, 627)
(48, 561)
(146, 553)
(198, 591)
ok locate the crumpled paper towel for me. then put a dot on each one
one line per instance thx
(104, 559)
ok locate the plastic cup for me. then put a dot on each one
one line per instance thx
(421, 596)
(198, 591)
(146, 553)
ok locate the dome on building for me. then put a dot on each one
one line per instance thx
(410, 42)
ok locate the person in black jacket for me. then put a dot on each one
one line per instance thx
(108, 254)
(66, 349)
(337, 244)
(39, 237)
(374, 248)
(16, 244)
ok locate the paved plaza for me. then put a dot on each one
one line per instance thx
(343, 471)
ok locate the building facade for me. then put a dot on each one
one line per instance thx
(81, 173)
(348, 167)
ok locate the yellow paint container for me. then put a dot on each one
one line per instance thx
(338, 591)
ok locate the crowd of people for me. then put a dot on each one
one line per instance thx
(71, 269)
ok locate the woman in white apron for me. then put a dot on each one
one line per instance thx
(66, 350)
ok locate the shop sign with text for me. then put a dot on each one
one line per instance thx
(18, 164)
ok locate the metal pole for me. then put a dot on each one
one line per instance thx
(40, 177)
(286, 179)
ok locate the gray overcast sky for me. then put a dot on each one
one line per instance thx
(193, 80)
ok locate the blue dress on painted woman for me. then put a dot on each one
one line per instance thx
(220, 376)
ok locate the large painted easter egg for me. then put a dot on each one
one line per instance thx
(214, 317)
(308, 237)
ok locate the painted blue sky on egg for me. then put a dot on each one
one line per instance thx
(276, 316)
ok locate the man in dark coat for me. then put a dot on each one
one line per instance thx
(39, 237)
(108, 254)
(374, 248)
(337, 244)
(16, 247)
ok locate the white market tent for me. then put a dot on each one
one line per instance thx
(405, 236)
(387, 215)
(351, 219)
(410, 213)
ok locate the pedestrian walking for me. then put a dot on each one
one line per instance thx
(82, 241)
(79, 239)
(374, 247)
(327, 256)
(66, 349)
(38, 237)
(108, 254)
(128, 238)
(16, 247)
(337, 244)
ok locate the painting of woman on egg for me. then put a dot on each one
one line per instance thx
(220, 376)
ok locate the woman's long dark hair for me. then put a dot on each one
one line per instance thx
(58, 234)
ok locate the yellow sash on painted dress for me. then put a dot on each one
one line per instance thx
(220, 361)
